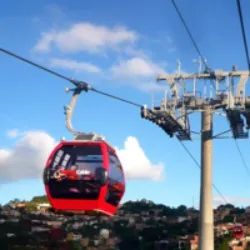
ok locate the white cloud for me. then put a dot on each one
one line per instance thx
(136, 52)
(165, 42)
(27, 158)
(232, 200)
(85, 37)
(136, 67)
(74, 65)
(43, 45)
(152, 87)
(136, 164)
(13, 133)
(139, 72)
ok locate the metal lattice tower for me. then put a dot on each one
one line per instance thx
(210, 92)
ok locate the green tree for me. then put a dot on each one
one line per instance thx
(223, 243)
(31, 206)
(192, 226)
(237, 211)
(151, 234)
(75, 245)
(181, 210)
(129, 239)
(226, 206)
(89, 231)
(228, 218)
(40, 199)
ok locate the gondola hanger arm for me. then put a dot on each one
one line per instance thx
(69, 109)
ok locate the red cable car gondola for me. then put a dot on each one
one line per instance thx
(237, 231)
(84, 176)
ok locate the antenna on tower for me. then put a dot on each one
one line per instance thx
(200, 63)
(178, 67)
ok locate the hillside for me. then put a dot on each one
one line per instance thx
(142, 223)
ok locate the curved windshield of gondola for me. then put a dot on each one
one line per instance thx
(72, 172)
(116, 184)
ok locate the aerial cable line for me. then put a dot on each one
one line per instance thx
(205, 63)
(199, 166)
(207, 69)
(79, 84)
(242, 157)
(116, 97)
(243, 33)
(248, 62)
(190, 34)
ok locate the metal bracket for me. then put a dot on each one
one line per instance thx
(167, 122)
(236, 124)
(241, 85)
(68, 111)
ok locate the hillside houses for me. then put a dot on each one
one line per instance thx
(154, 227)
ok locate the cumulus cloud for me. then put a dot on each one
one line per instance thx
(85, 37)
(26, 160)
(136, 67)
(136, 164)
(139, 72)
(74, 65)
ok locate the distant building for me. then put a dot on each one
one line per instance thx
(194, 242)
(248, 210)
(43, 206)
(20, 205)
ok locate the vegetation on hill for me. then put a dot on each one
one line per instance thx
(40, 199)
(143, 204)
(160, 224)
(30, 205)
(152, 208)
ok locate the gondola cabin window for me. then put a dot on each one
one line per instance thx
(116, 183)
(73, 172)
(57, 159)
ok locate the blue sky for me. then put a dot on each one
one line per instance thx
(33, 100)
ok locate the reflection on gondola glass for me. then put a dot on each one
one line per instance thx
(116, 182)
(72, 172)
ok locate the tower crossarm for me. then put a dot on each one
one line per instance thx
(211, 75)
(193, 103)
(217, 89)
